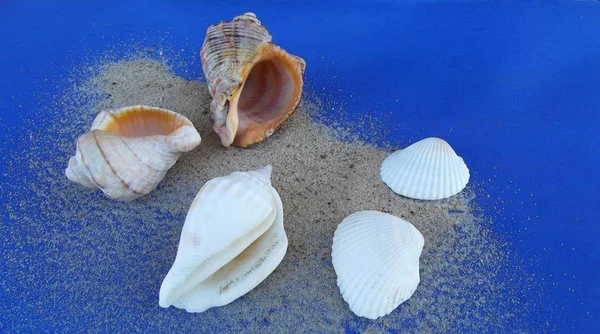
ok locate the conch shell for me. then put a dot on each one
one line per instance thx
(127, 151)
(232, 239)
(255, 84)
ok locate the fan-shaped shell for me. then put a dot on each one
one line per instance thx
(428, 169)
(232, 239)
(128, 151)
(255, 84)
(376, 258)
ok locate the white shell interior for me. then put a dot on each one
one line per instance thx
(232, 239)
(376, 259)
(428, 169)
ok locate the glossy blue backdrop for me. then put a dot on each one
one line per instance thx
(513, 85)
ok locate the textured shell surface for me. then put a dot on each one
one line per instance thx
(428, 169)
(376, 259)
(255, 84)
(128, 151)
(243, 273)
(232, 239)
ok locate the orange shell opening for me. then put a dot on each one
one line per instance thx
(142, 121)
(268, 96)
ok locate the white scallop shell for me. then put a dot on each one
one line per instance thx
(232, 239)
(376, 258)
(428, 169)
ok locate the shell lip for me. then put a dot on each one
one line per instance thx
(294, 68)
(268, 265)
(168, 295)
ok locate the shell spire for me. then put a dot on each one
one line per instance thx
(255, 84)
(263, 174)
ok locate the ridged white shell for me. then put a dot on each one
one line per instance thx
(255, 84)
(376, 258)
(232, 239)
(128, 151)
(428, 169)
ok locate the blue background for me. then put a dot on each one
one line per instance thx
(513, 85)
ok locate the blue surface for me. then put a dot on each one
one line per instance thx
(515, 86)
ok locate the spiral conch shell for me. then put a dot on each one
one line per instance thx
(255, 84)
(128, 151)
(232, 239)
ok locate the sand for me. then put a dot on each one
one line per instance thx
(91, 263)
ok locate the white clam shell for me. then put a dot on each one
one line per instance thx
(128, 151)
(376, 258)
(232, 239)
(428, 169)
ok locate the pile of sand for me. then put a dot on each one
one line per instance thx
(112, 256)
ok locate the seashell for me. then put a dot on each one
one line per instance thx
(428, 169)
(255, 84)
(232, 239)
(376, 258)
(128, 151)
